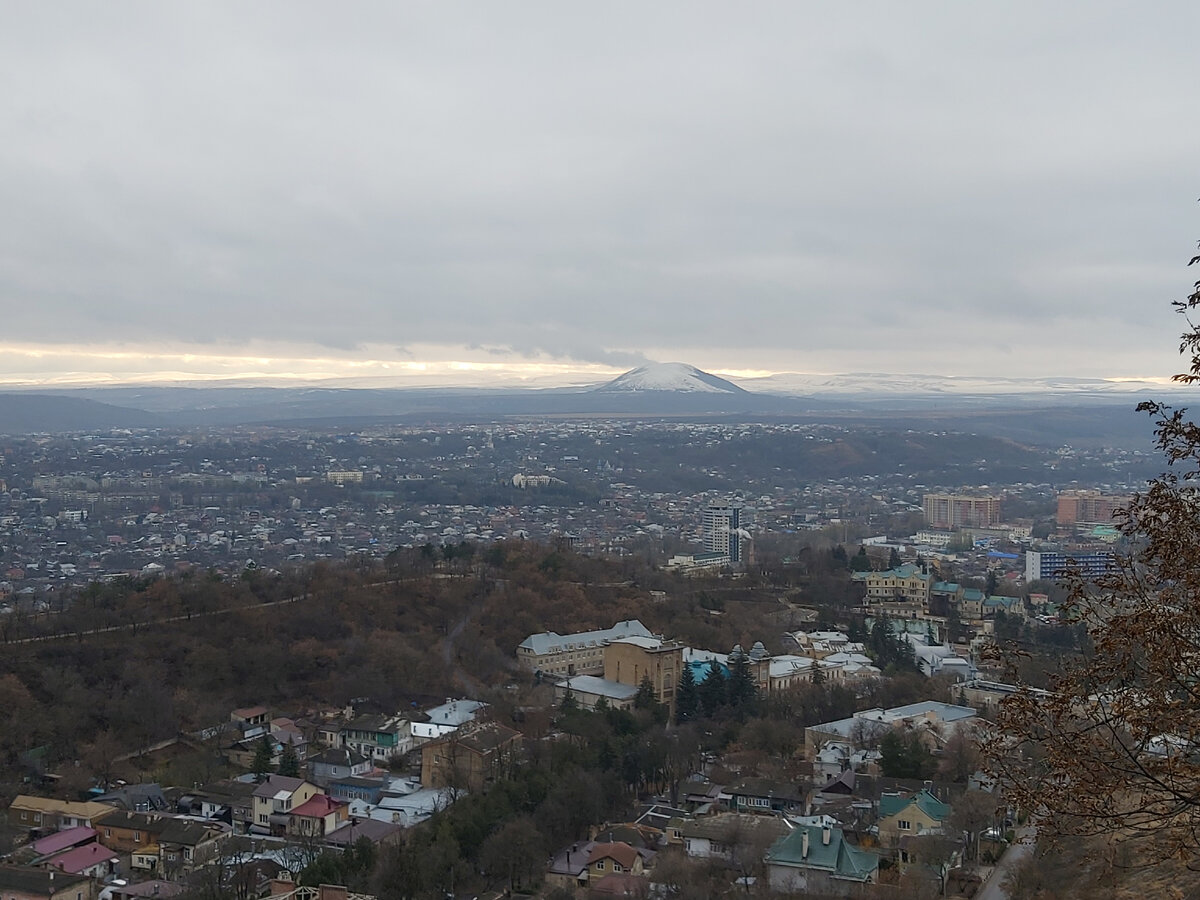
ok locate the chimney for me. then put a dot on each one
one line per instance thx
(826, 835)
(804, 844)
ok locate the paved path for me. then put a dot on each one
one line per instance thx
(995, 888)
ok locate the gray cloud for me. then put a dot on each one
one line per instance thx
(767, 186)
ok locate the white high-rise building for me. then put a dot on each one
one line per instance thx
(727, 529)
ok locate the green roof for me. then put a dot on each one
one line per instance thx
(890, 804)
(838, 858)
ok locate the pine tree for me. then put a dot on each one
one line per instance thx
(645, 697)
(742, 689)
(289, 761)
(687, 696)
(263, 754)
(712, 689)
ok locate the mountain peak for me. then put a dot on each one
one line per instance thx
(672, 376)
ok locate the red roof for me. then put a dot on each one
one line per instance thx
(319, 806)
(75, 861)
(618, 850)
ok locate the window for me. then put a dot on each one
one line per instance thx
(137, 837)
(904, 825)
(617, 867)
(599, 865)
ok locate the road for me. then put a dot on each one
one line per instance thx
(996, 888)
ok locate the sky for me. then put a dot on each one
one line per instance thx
(554, 192)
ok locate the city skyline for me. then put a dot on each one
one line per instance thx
(551, 196)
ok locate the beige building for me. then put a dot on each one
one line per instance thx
(629, 660)
(961, 510)
(908, 582)
(574, 654)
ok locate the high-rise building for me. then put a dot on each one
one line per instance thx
(961, 511)
(1091, 507)
(726, 529)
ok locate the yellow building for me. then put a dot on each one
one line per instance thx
(629, 660)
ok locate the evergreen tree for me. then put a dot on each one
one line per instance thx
(839, 556)
(263, 754)
(861, 562)
(645, 697)
(818, 674)
(289, 761)
(687, 696)
(712, 689)
(894, 561)
(742, 689)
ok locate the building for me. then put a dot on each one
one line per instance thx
(274, 800)
(961, 510)
(1051, 566)
(468, 758)
(726, 530)
(910, 582)
(574, 654)
(818, 859)
(866, 727)
(905, 814)
(1089, 507)
(29, 883)
(40, 813)
(631, 659)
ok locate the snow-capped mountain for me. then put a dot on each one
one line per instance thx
(675, 377)
(796, 384)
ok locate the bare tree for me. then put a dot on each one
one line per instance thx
(1114, 746)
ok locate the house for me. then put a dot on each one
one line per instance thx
(585, 863)
(147, 890)
(727, 835)
(227, 801)
(354, 830)
(469, 757)
(136, 797)
(765, 795)
(354, 787)
(63, 840)
(29, 813)
(613, 857)
(251, 719)
(318, 816)
(446, 718)
(378, 737)
(274, 801)
(904, 814)
(130, 832)
(29, 883)
(336, 763)
(93, 860)
(818, 859)
(185, 845)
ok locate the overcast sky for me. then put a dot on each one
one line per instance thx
(550, 189)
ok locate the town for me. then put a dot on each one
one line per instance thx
(780, 690)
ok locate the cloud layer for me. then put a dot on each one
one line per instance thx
(931, 187)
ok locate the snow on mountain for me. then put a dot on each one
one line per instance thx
(678, 377)
(869, 383)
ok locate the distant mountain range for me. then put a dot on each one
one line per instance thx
(1044, 411)
(676, 377)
